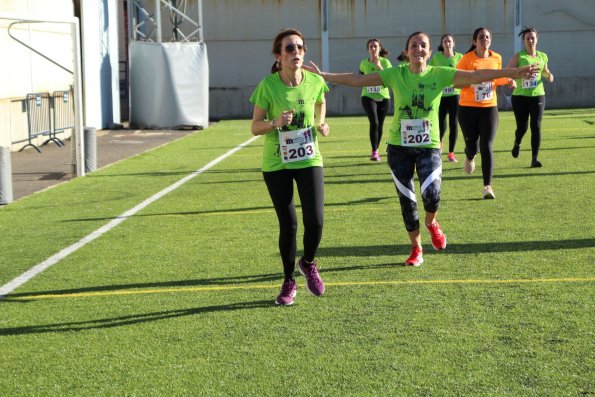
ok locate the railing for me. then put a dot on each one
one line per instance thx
(48, 114)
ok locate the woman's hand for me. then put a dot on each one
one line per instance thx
(528, 71)
(323, 129)
(284, 119)
(312, 68)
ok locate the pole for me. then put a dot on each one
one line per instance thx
(518, 25)
(5, 176)
(324, 38)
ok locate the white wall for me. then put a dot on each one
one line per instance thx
(21, 70)
(239, 36)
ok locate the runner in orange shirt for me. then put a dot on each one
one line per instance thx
(478, 110)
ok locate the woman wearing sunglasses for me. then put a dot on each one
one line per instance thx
(289, 110)
(414, 136)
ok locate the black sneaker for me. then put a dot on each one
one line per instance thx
(516, 150)
(536, 163)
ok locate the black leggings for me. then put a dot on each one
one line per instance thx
(479, 126)
(523, 107)
(449, 106)
(376, 112)
(310, 185)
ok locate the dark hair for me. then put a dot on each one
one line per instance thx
(441, 47)
(403, 56)
(527, 30)
(475, 34)
(277, 44)
(383, 51)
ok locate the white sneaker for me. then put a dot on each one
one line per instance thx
(469, 165)
(488, 193)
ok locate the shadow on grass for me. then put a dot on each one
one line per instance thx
(470, 248)
(223, 281)
(177, 173)
(132, 319)
(542, 149)
(268, 208)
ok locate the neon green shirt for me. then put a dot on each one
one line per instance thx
(534, 86)
(416, 97)
(376, 93)
(275, 97)
(440, 60)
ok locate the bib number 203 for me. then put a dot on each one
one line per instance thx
(301, 152)
(297, 145)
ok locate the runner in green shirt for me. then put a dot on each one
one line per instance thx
(449, 104)
(528, 98)
(290, 109)
(414, 140)
(375, 98)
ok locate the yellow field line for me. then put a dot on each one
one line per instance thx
(252, 287)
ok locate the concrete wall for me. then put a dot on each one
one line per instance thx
(239, 36)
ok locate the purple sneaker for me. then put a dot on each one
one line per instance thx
(288, 292)
(314, 283)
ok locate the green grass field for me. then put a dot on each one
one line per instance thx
(178, 298)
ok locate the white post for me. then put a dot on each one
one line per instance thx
(78, 143)
(200, 33)
(518, 25)
(158, 19)
(324, 36)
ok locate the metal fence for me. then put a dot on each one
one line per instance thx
(47, 115)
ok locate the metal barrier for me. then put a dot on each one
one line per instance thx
(48, 114)
(63, 106)
(38, 107)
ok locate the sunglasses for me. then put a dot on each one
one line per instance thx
(290, 48)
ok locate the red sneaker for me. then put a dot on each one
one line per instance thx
(416, 258)
(438, 237)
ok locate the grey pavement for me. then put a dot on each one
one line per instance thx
(33, 171)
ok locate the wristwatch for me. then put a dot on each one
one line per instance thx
(273, 123)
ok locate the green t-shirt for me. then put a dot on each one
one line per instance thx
(378, 93)
(275, 97)
(533, 86)
(440, 60)
(417, 99)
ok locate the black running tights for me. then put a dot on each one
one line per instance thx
(310, 186)
(479, 126)
(449, 106)
(523, 107)
(376, 112)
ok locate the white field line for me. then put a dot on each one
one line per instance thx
(52, 260)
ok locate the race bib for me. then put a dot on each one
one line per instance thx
(483, 91)
(415, 132)
(448, 91)
(529, 83)
(297, 145)
(374, 89)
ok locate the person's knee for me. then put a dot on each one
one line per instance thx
(431, 198)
